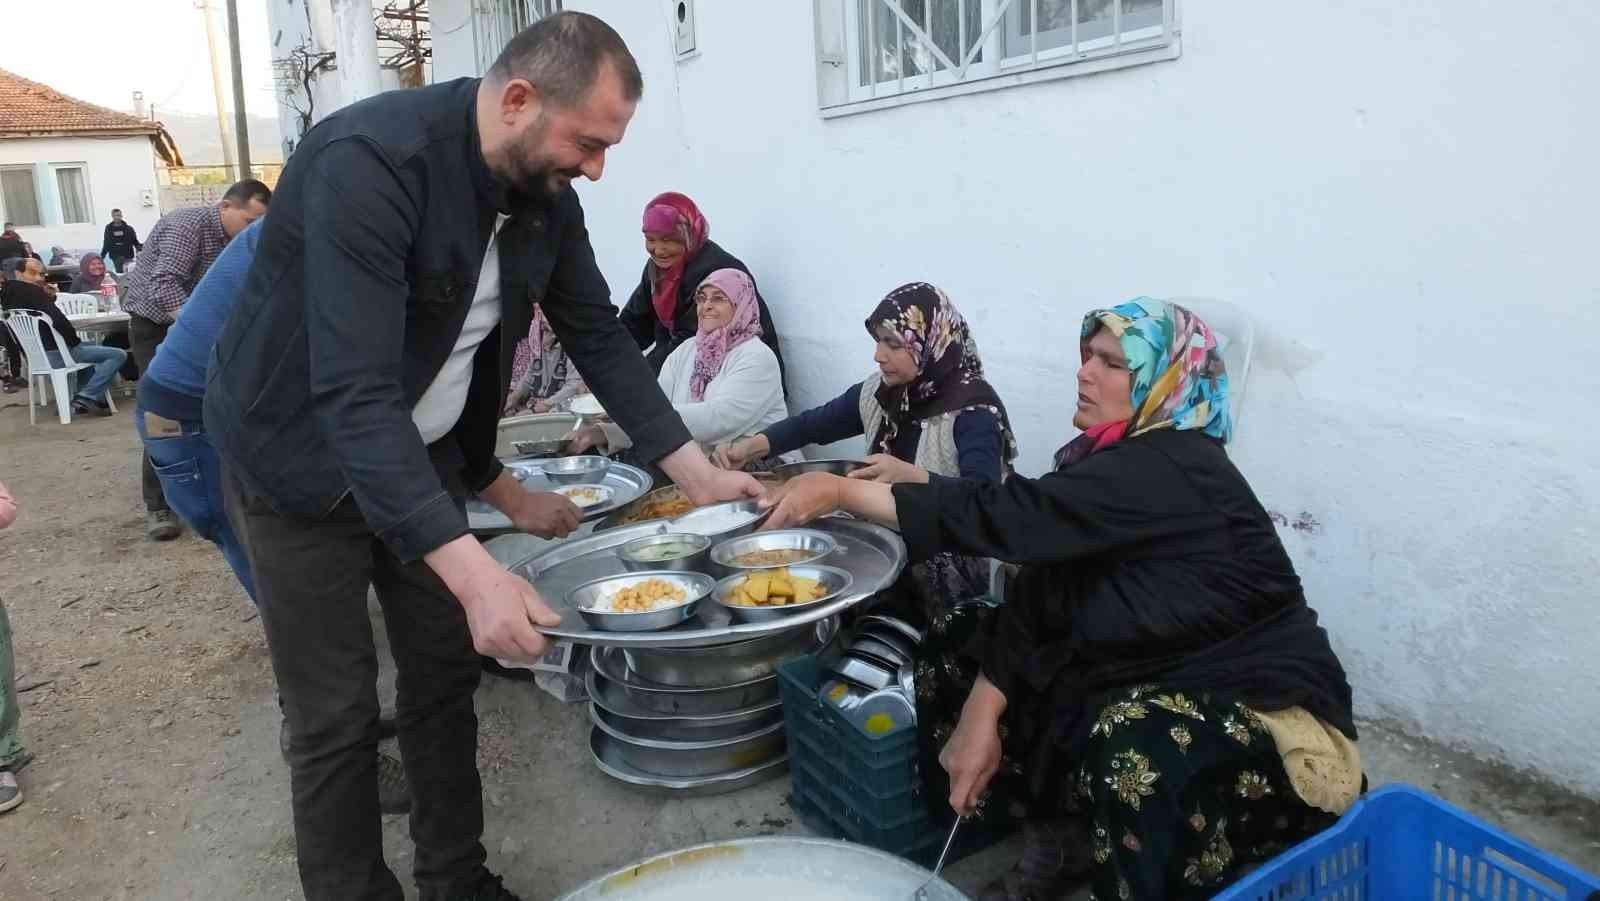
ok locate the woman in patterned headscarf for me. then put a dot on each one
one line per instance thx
(928, 414)
(542, 377)
(661, 313)
(1155, 694)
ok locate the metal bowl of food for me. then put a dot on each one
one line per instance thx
(576, 470)
(642, 601)
(753, 597)
(676, 551)
(769, 550)
(834, 467)
(720, 522)
(586, 495)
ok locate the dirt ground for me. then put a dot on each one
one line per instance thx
(148, 699)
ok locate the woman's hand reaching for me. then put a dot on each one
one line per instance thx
(890, 471)
(972, 755)
(802, 499)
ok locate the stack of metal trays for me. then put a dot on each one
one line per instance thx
(695, 721)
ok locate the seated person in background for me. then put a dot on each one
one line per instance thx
(929, 414)
(1157, 694)
(12, 245)
(26, 289)
(661, 313)
(91, 275)
(542, 377)
(724, 382)
(60, 257)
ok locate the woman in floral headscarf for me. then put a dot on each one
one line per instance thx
(928, 414)
(661, 313)
(542, 377)
(724, 381)
(1156, 695)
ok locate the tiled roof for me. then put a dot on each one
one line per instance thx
(28, 107)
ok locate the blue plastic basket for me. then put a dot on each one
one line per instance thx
(1399, 842)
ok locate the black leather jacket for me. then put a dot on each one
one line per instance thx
(361, 283)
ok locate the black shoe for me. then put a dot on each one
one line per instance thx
(1056, 858)
(161, 525)
(490, 889)
(82, 407)
(394, 792)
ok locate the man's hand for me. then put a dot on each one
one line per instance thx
(545, 514)
(802, 499)
(890, 471)
(501, 608)
(541, 513)
(972, 755)
(703, 483)
(584, 440)
(541, 406)
(736, 454)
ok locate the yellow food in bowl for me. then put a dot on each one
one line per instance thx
(776, 588)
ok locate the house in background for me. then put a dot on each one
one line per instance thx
(65, 164)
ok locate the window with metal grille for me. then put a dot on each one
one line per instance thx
(877, 53)
(72, 186)
(19, 196)
(496, 22)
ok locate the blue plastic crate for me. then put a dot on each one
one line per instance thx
(1399, 842)
(835, 736)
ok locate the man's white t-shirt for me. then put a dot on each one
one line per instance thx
(440, 406)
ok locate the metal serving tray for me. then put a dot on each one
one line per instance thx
(608, 757)
(627, 483)
(872, 554)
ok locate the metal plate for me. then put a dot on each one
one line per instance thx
(609, 662)
(699, 758)
(612, 700)
(872, 554)
(628, 515)
(727, 664)
(779, 867)
(608, 758)
(551, 427)
(834, 467)
(627, 483)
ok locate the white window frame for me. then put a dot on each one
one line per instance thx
(840, 34)
(61, 201)
(496, 22)
(10, 215)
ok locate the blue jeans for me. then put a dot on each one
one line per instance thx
(190, 471)
(106, 360)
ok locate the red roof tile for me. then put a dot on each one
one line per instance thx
(30, 108)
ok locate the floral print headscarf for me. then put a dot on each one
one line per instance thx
(949, 370)
(1175, 365)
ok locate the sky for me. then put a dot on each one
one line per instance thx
(104, 50)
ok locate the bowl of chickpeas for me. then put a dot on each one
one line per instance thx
(640, 601)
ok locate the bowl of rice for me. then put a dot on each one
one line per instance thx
(640, 601)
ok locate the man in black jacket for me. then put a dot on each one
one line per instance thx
(121, 242)
(355, 394)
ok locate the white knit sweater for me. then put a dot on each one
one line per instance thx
(745, 397)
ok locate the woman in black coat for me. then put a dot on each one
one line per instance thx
(1156, 694)
(661, 312)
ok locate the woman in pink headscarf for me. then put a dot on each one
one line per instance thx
(724, 381)
(542, 378)
(661, 313)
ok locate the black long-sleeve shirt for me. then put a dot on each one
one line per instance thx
(121, 241)
(20, 295)
(1149, 561)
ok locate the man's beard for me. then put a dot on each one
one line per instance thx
(524, 170)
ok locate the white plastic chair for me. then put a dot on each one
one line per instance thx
(24, 325)
(1236, 336)
(78, 304)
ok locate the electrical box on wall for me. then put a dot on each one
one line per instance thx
(683, 22)
(147, 197)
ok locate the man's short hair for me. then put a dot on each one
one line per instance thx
(10, 225)
(242, 192)
(15, 265)
(562, 54)
(115, 210)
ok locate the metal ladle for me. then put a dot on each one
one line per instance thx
(921, 893)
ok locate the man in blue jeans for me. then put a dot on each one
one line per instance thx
(26, 289)
(168, 417)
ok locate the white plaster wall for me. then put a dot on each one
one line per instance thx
(119, 168)
(1401, 195)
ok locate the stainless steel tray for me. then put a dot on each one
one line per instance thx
(609, 759)
(608, 662)
(727, 664)
(634, 719)
(695, 758)
(628, 483)
(872, 554)
(535, 427)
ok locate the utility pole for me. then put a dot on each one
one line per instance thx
(241, 125)
(215, 38)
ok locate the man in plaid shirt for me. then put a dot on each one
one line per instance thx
(179, 250)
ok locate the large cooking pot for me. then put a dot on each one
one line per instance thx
(767, 869)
